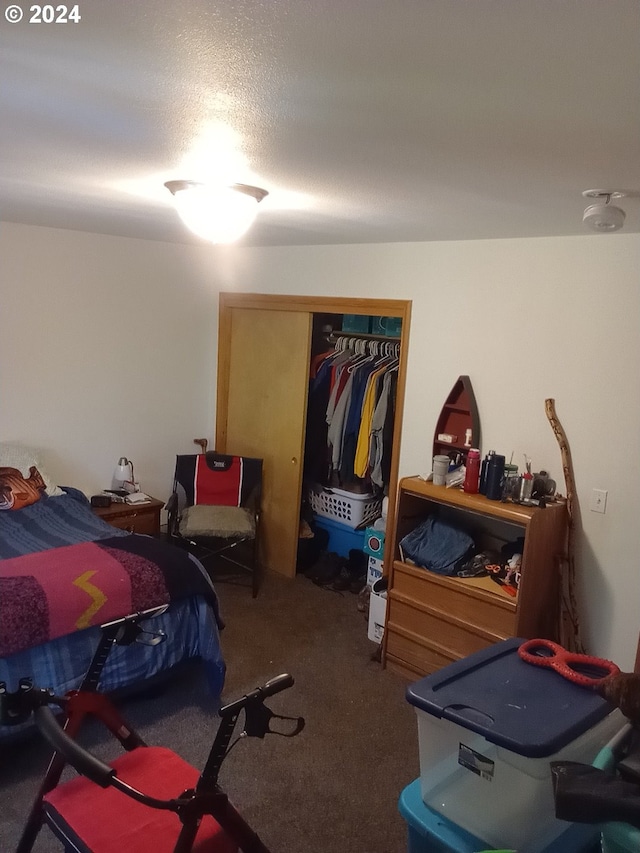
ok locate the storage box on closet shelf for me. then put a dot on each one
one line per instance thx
(349, 508)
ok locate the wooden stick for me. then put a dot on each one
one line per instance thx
(569, 624)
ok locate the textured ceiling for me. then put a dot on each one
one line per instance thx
(404, 120)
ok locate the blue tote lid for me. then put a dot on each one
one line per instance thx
(530, 710)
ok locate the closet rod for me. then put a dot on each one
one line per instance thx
(365, 336)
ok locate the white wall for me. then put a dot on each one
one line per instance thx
(525, 319)
(107, 348)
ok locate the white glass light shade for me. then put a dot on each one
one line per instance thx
(217, 214)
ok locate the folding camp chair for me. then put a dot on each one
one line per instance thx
(215, 507)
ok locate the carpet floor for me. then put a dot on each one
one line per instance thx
(336, 785)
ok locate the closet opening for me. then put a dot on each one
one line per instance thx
(266, 345)
(349, 444)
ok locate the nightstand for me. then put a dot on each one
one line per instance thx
(136, 518)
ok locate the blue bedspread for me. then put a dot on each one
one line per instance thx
(52, 523)
(190, 624)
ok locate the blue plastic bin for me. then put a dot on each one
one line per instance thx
(430, 832)
(356, 323)
(342, 538)
(388, 326)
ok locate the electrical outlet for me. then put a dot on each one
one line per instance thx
(598, 501)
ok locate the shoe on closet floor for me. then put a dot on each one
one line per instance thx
(358, 584)
(354, 573)
(326, 569)
(344, 579)
(358, 562)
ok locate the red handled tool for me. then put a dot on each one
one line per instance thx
(507, 587)
(585, 670)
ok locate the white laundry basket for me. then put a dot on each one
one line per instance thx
(350, 508)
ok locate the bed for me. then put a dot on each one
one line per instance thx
(64, 572)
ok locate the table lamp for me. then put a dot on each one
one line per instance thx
(124, 475)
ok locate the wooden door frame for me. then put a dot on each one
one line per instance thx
(314, 305)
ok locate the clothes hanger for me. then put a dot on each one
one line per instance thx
(363, 357)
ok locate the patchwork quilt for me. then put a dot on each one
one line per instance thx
(50, 594)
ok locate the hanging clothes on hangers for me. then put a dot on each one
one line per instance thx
(316, 457)
(381, 443)
(351, 384)
(373, 390)
(361, 374)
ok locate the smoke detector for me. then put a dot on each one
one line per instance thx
(603, 216)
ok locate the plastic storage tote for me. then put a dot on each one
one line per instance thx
(342, 538)
(430, 832)
(488, 727)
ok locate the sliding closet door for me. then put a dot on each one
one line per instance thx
(263, 374)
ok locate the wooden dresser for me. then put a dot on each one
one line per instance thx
(433, 620)
(136, 518)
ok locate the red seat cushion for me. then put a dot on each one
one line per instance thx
(107, 821)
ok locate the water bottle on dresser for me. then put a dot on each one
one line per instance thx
(483, 471)
(472, 473)
(495, 477)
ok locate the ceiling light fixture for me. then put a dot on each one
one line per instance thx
(603, 216)
(217, 214)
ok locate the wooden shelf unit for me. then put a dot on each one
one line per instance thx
(433, 620)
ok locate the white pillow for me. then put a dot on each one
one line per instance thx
(22, 458)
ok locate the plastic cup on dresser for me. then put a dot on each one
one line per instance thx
(440, 469)
(523, 488)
